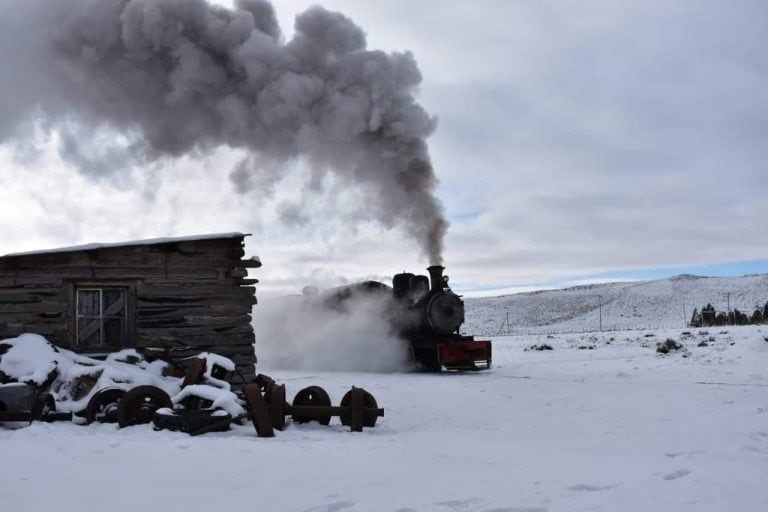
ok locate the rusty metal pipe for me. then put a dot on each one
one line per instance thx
(321, 410)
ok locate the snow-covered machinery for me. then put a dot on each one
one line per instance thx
(20, 402)
(133, 387)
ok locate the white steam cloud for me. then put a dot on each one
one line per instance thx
(300, 333)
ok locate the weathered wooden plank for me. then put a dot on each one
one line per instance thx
(240, 359)
(158, 272)
(99, 272)
(16, 329)
(106, 257)
(162, 302)
(157, 276)
(196, 331)
(237, 272)
(247, 301)
(68, 272)
(220, 281)
(48, 281)
(173, 311)
(18, 296)
(147, 291)
(230, 249)
(60, 339)
(246, 373)
(247, 369)
(33, 307)
(194, 321)
(164, 340)
(224, 351)
(176, 311)
(118, 272)
(44, 260)
(220, 260)
(232, 349)
(33, 319)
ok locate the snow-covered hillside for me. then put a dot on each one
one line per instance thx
(663, 303)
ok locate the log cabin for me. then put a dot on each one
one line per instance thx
(191, 294)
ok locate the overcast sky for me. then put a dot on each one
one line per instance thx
(575, 141)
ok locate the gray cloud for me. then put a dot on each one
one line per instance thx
(616, 136)
(574, 138)
(175, 78)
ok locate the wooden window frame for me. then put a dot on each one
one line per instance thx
(130, 316)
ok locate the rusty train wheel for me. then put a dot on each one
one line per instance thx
(316, 396)
(369, 402)
(427, 359)
(276, 404)
(102, 407)
(139, 405)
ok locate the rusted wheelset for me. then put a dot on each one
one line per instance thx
(103, 405)
(264, 400)
(358, 408)
(268, 408)
(138, 406)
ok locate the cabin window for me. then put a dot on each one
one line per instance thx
(102, 317)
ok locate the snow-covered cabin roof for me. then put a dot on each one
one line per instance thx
(130, 243)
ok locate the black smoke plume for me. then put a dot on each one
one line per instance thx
(183, 77)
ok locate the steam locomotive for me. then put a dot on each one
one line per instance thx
(427, 315)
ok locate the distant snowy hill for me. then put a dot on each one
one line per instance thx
(662, 303)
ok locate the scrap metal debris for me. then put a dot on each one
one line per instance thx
(131, 387)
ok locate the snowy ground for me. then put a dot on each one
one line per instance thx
(617, 428)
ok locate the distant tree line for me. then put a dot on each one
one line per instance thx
(708, 317)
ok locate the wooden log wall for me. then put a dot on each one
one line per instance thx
(181, 294)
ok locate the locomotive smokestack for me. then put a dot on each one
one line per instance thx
(436, 277)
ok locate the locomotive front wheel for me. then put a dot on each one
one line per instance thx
(369, 402)
(316, 396)
(427, 359)
(103, 405)
(139, 405)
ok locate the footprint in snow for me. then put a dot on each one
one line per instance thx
(516, 509)
(459, 505)
(677, 474)
(332, 507)
(590, 488)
